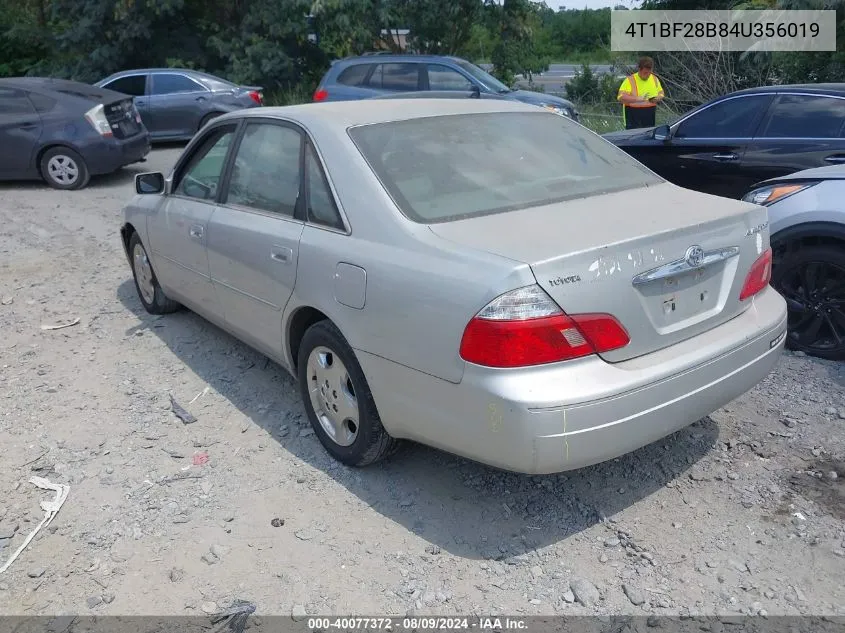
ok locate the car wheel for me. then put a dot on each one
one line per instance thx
(812, 280)
(63, 168)
(146, 283)
(338, 400)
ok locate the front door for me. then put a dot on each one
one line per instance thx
(178, 231)
(176, 105)
(253, 240)
(707, 150)
(20, 129)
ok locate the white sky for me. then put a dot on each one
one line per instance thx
(588, 4)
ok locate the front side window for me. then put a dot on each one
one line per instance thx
(444, 78)
(201, 176)
(171, 83)
(266, 174)
(133, 85)
(445, 168)
(804, 116)
(732, 118)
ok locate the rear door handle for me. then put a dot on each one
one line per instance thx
(281, 254)
(836, 158)
(28, 125)
(725, 156)
(196, 231)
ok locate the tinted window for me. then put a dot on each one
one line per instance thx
(444, 78)
(14, 102)
(354, 75)
(321, 206)
(42, 103)
(201, 177)
(133, 85)
(446, 168)
(266, 173)
(733, 118)
(799, 116)
(402, 77)
(168, 83)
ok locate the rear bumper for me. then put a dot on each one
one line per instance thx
(570, 415)
(104, 156)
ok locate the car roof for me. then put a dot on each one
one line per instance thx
(399, 57)
(824, 88)
(65, 87)
(345, 114)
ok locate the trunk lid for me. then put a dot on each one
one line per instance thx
(624, 254)
(123, 117)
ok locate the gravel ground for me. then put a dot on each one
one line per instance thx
(743, 512)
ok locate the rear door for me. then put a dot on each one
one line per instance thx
(20, 129)
(800, 131)
(135, 86)
(177, 105)
(707, 149)
(253, 240)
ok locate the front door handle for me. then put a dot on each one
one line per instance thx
(196, 231)
(836, 158)
(725, 156)
(28, 125)
(281, 254)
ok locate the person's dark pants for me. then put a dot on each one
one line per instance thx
(640, 117)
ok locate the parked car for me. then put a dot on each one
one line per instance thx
(371, 75)
(369, 248)
(725, 146)
(175, 103)
(65, 131)
(807, 227)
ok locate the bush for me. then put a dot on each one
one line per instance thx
(591, 89)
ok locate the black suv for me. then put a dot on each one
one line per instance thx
(377, 75)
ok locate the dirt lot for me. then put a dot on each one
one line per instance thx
(740, 513)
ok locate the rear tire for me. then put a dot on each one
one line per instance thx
(63, 168)
(338, 400)
(812, 280)
(152, 297)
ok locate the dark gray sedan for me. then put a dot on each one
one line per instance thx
(175, 103)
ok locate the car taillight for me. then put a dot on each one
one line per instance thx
(758, 277)
(96, 116)
(257, 97)
(321, 95)
(525, 327)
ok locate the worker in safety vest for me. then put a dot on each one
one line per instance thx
(639, 95)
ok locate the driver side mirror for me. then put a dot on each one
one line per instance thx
(662, 133)
(149, 183)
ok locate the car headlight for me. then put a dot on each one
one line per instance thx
(561, 110)
(772, 193)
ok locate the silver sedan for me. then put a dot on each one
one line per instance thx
(481, 276)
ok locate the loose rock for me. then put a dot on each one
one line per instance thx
(298, 613)
(36, 572)
(634, 595)
(94, 602)
(584, 591)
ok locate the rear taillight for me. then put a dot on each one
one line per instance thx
(758, 277)
(96, 116)
(256, 96)
(321, 95)
(525, 327)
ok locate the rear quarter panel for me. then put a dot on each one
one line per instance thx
(420, 290)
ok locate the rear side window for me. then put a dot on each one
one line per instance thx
(171, 83)
(445, 168)
(399, 77)
(41, 102)
(732, 118)
(321, 205)
(354, 75)
(804, 116)
(14, 102)
(134, 85)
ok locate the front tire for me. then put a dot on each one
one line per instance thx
(338, 400)
(152, 297)
(63, 168)
(812, 280)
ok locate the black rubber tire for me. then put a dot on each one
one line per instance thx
(797, 257)
(162, 304)
(207, 118)
(373, 443)
(83, 177)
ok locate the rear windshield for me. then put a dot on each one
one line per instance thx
(447, 168)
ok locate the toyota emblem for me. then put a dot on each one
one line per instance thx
(694, 256)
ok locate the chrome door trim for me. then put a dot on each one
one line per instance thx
(686, 264)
